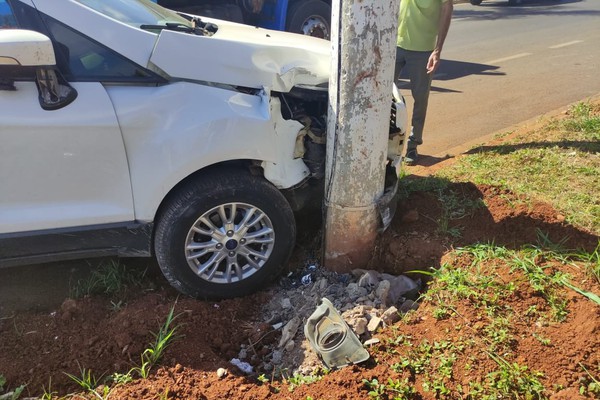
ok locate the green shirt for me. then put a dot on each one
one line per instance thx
(418, 24)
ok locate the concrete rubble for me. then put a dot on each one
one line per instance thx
(367, 300)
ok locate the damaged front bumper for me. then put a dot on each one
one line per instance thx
(309, 107)
(387, 203)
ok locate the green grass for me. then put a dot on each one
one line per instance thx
(558, 164)
(298, 379)
(512, 381)
(101, 388)
(165, 336)
(393, 389)
(110, 278)
(90, 384)
(454, 205)
(472, 279)
(6, 394)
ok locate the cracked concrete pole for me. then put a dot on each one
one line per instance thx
(363, 43)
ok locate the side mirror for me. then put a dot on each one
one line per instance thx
(25, 54)
(25, 48)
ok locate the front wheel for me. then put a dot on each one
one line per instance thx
(312, 18)
(476, 2)
(224, 235)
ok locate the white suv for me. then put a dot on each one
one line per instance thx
(128, 129)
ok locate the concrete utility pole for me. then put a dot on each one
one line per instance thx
(363, 43)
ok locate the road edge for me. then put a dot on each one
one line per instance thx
(451, 155)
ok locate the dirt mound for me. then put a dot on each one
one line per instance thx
(92, 333)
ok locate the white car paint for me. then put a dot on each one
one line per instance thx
(117, 150)
(245, 56)
(237, 54)
(61, 168)
(204, 126)
(23, 52)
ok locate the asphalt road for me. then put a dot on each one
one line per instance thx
(502, 65)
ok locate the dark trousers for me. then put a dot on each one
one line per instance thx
(414, 63)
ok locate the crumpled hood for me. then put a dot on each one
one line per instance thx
(244, 56)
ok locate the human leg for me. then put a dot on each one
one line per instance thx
(400, 63)
(420, 84)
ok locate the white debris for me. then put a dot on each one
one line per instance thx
(371, 341)
(374, 324)
(242, 365)
(221, 373)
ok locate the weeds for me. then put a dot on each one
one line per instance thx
(9, 395)
(589, 385)
(109, 279)
(121, 379)
(89, 383)
(455, 207)
(544, 281)
(474, 280)
(149, 358)
(48, 393)
(394, 389)
(512, 380)
(299, 379)
(151, 355)
(375, 389)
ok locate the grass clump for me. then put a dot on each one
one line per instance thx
(509, 381)
(9, 394)
(559, 164)
(393, 389)
(165, 336)
(110, 278)
(90, 384)
(149, 358)
(298, 379)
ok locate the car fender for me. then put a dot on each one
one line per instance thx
(173, 131)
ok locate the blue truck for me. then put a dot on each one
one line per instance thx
(309, 17)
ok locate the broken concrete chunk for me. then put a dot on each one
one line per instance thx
(390, 315)
(369, 279)
(399, 286)
(358, 325)
(286, 303)
(289, 331)
(242, 365)
(290, 346)
(383, 291)
(354, 291)
(374, 324)
(408, 305)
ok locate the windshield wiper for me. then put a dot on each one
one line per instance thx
(198, 27)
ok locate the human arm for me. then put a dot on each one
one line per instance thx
(444, 25)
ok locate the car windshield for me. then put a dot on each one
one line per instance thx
(136, 12)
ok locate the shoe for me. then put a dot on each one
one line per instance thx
(411, 157)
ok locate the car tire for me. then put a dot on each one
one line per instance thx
(476, 2)
(312, 18)
(224, 235)
(514, 2)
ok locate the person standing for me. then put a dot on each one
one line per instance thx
(422, 29)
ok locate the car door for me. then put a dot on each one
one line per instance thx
(64, 167)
